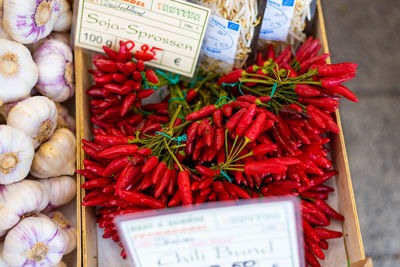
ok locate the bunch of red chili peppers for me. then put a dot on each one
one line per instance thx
(258, 132)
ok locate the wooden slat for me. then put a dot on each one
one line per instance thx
(347, 204)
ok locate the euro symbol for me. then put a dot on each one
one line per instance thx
(177, 61)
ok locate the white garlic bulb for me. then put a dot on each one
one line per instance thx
(16, 154)
(2, 262)
(19, 199)
(64, 22)
(66, 228)
(18, 72)
(28, 21)
(34, 241)
(36, 116)
(65, 120)
(61, 190)
(56, 157)
(54, 61)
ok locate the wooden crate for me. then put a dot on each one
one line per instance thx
(349, 249)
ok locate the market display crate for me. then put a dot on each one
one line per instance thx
(95, 251)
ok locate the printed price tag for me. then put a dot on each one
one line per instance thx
(277, 19)
(221, 39)
(172, 29)
(254, 233)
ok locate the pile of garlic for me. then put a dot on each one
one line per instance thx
(37, 143)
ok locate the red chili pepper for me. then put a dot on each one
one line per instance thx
(315, 248)
(143, 56)
(207, 171)
(207, 182)
(128, 102)
(200, 114)
(227, 110)
(317, 195)
(282, 55)
(184, 188)
(209, 135)
(310, 232)
(118, 151)
(160, 187)
(92, 194)
(118, 89)
(328, 210)
(88, 174)
(306, 90)
(327, 234)
(107, 78)
(311, 259)
(219, 138)
(344, 91)
(140, 65)
(99, 200)
(314, 220)
(308, 62)
(158, 172)
(336, 69)
(256, 127)
(106, 65)
(270, 52)
(176, 199)
(151, 76)
(202, 127)
(217, 117)
(150, 164)
(96, 183)
(232, 77)
(263, 149)
(328, 82)
(232, 188)
(191, 94)
(317, 181)
(322, 102)
(257, 167)
(323, 189)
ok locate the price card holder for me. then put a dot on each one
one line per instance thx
(253, 233)
(171, 29)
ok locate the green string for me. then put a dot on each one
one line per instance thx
(234, 84)
(274, 89)
(226, 175)
(169, 77)
(224, 97)
(193, 83)
(179, 98)
(179, 139)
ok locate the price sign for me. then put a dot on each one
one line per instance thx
(171, 29)
(252, 234)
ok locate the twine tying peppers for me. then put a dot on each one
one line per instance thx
(179, 139)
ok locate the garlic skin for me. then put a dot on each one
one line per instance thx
(3, 33)
(54, 61)
(56, 157)
(64, 22)
(36, 116)
(2, 262)
(16, 154)
(28, 21)
(34, 241)
(61, 190)
(64, 119)
(19, 199)
(66, 228)
(18, 72)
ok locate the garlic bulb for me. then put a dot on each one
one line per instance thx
(2, 262)
(36, 116)
(64, 22)
(28, 21)
(19, 199)
(35, 241)
(61, 190)
(66, 228)
(18, 72)
(16, 154)
(56, 157)
(56, 71)
(65, 120)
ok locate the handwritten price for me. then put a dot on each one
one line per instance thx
(145, 49)
(249, 263)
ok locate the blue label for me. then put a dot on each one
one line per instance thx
(287, 2)
(233, 26)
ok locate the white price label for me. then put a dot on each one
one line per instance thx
(254, 234)
(221, 39)
(173, 30)
(277, 19)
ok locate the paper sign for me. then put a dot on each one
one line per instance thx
(255, 234)
(171, 29)
(221, 39)
(277, 20)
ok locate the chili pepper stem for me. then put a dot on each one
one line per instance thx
(174, 117)
(173, 156)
